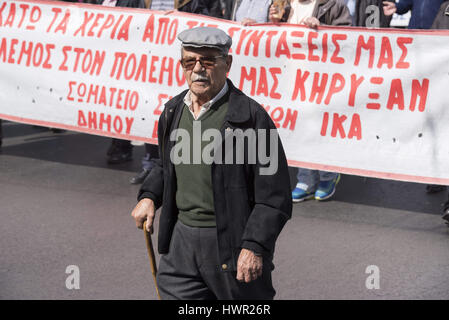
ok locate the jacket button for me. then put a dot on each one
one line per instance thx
(224, 266)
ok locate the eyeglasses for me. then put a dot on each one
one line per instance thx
(206, 62)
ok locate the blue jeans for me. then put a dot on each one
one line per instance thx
(308, 179)
(151, 152)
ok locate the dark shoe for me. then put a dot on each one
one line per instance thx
(119, 146)
(122, 157)
(434, 188)
(326, 189)
(111, 150)
(140, 177)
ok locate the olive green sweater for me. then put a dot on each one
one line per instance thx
(194, 195)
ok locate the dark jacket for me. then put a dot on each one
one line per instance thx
(423, 12)
(193, 6)
(214, 8)
(328, 12)
(128, 3)
(361, 15)
(226, 6)
(442, 19)
(250, 209)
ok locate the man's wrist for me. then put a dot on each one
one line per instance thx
(257, 249)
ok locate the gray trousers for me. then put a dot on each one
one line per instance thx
(191, 270)
(308, 179)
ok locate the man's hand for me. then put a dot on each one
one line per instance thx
(248, 21)
(389, 8)
(311, 22)
(144, 210)
(249, 266)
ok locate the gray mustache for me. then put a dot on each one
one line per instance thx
(198, 77)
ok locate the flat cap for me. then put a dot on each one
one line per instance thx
(206, 37)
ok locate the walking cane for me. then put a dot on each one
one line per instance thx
(151, 257)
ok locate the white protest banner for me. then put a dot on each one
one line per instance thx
(353, 100)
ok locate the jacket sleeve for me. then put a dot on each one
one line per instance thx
(214, 8)
(129, 3)
(227, 6)
(286, 14)
(437, 23)
(339, 15)
(136, 4)
(153, 185)
(403, 6)
(272, 193)
(202, 8)
(141, 4)
(195, 6)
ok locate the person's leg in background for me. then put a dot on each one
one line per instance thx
(151, 152)
(327, 186)
(320, 185)
(436, 188)
(446, 211)
(119, 151)
(307, 184)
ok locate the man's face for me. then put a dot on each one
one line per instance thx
(205, 80)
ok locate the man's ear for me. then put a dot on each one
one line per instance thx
(229, 62)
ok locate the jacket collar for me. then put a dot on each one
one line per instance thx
(325, 4)
(238, 105)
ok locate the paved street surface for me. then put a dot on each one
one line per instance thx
(62, 205)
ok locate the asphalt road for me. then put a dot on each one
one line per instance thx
(62, 205)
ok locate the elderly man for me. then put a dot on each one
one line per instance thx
(220, 220)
